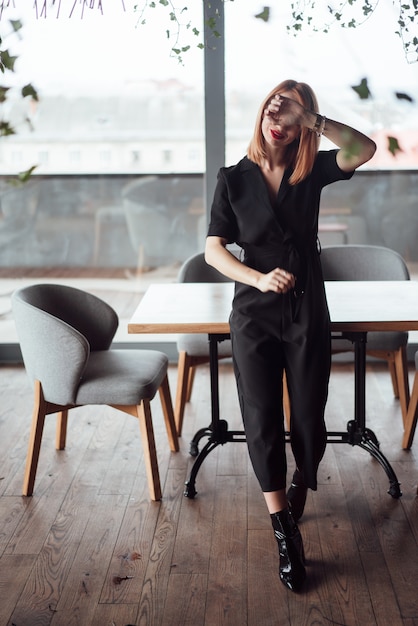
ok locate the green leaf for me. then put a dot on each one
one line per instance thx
(16, 25)
(6, 129)
(403, 96)
(22, 177)
(3, 93)
(7, 60)
(362, 89)
(29, 90)
(211, 23)
(264, 15)
(393, 146)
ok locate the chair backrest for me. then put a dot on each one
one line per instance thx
(57, 327)
(148, 229)
(196, 270)
(362, 262)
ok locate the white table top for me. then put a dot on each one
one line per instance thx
(354, 306)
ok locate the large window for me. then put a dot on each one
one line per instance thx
(379, 205)
(117, 137)
(118, 133)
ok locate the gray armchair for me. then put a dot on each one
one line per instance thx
(364, 262)
(65, 335)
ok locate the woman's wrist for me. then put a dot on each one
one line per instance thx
(315, 122)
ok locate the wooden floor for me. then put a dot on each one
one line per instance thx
(89, 548)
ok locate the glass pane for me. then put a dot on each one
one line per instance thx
(379, 205)
(117, 138)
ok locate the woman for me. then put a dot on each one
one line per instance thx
(268, 204)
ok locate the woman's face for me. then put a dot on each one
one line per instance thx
(280, 128)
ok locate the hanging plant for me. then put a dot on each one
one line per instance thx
(7, 66)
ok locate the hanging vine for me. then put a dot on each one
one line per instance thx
(317, 16)
(9, 30)
(304, 14)
(352, 14)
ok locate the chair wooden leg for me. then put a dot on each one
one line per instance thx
(168, 412)
(401, 365)
(393, 375)
(192, 372)
(182, 387)
(61, 430)
(150, 452)
(398, 367)
(32, 458)
(411, 417)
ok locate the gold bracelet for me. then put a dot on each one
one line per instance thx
(319, 125)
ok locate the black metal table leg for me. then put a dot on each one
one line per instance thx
(217, 432)
(357, 434)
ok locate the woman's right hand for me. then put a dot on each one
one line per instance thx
(216, 254)
(277, 280)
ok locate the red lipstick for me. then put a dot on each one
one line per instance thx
(276, 134)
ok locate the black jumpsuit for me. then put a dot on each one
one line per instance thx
(271, 332)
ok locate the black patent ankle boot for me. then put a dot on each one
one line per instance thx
(296, 495)
(291, 568)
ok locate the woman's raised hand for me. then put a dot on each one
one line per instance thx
(289, 111)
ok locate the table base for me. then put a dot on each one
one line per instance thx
(356, 435)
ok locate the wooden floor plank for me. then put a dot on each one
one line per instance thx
(47, 580)
(379, 584)
(397, 542)
(67, 554)
(267, 597)
(90, 564)
(14, 572)
(35, 525)
(349, 599)
(132, 547)
(227, 590)
(160, 564)
(111, 615)
(12, 509)
(186, 600)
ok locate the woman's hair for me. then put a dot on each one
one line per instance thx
(302, 152)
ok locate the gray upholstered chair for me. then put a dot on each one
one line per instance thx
(65, 335)
(365, 262)
(194, 349)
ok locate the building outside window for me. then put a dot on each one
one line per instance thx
(143, 97)
(74, 158)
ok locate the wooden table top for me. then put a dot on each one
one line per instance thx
(355, 306)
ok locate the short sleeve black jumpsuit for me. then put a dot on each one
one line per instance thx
(271, 332)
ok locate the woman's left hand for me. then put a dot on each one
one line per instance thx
(286, 109)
